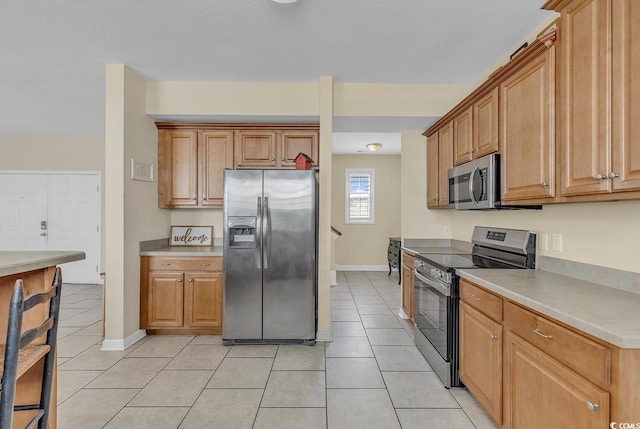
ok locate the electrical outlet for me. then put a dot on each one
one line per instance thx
(544, 241)
(556, 242)
(446, 231)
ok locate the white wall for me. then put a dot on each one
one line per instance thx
(132, 213)
(366, 244)
(603, 233)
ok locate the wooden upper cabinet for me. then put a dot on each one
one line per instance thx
(527, 100)
(192, 157)
(439, 161)
(600, 101)
(445, 162)
(294, 142)
(215, 155)
(432, 171)
(274, 149)
(485, 124)
(256, 149)
(177, 168)
(584, 76)
(463, 137)
(625, 108)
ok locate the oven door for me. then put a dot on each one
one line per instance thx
(433, 313)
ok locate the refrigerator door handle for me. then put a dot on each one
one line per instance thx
(258, 234)
(266, 239)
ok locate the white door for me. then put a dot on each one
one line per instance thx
(53, 212)
(73, 223)
(23, 208)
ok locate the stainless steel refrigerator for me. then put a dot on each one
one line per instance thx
(270, 263)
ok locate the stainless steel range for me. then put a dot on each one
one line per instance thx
(437, 291)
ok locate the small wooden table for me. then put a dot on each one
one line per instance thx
(36, 269)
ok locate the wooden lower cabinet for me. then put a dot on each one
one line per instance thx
(542, 393)
(181, 295)
(481, 359)
(408, 285)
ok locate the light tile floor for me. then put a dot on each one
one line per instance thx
(370, 376)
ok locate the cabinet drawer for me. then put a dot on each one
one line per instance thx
(482, 300)
(185, 264)
(587, 357)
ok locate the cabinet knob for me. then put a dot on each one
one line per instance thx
(591, 406)
(205, 265)
(179, 280)
(194, 198)
(598, 177)
(612, 175)
(190, 280)
(282, 159)
(544, 184)
(493, 337)
(475, 298)
(273, 159)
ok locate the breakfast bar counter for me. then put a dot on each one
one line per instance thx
(36, 269)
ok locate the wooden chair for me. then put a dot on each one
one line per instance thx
(20, 353)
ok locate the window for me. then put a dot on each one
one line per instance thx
(359, 204)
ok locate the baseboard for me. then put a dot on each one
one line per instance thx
(333, 280)
(403, 315)
(364, 268)
(324, 336)
(114, 345)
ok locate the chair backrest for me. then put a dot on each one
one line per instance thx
(16, 341)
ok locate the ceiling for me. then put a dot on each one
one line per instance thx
(53, 52)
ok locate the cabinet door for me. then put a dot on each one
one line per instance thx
(215, 154)
(255, 149)
(481, 359)
(165, 300)
(407, 290)
(584, 62)
(178, 168)
(541, 393)
(463, 137)
(295, 141)
(485, 125)
(432, 171)
(625, 109)
(203, 300)
(445, 162)
(527, 130)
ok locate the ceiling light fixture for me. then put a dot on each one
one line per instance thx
(374, 147)
(285, 1)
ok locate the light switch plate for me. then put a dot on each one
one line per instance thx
(556, 242)
(544, 241)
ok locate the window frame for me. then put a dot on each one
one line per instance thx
(347, 199)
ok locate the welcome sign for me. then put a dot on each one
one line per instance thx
(191, 236)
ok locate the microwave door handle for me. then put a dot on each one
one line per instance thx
(471, 189)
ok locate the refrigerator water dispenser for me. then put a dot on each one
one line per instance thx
(242, 231)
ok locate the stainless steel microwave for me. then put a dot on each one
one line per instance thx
(475, 184)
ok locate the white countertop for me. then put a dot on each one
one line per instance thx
(610, 314)
(184, 251)
(19, 262)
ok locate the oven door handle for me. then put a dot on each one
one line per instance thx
(441, 288)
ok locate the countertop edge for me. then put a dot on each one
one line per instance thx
(620, 340)
(30, 261)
